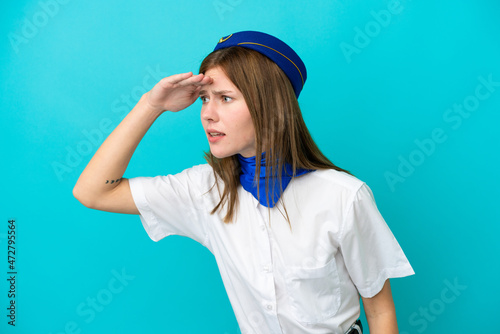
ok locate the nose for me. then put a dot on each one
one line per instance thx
(209, 112)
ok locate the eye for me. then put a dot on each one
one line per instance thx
(204, 99)
(227, 99)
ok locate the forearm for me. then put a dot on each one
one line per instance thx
(381, 312)
(384, 323)
(109, 163)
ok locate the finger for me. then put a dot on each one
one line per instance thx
(206, 80)
(196, 80)
(176, 78)
(196, 91)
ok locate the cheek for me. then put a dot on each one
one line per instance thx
(251, 131)
(247, 129)
(241, 121)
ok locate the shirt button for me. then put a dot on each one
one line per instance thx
(269, 307)
(262, 227)
(266, 268)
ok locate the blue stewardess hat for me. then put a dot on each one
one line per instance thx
(273, 48)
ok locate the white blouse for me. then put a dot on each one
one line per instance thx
(303, 279)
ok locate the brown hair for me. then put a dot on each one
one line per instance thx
(280, 130)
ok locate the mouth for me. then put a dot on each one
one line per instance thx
(214, 135)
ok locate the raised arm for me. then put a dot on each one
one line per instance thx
(101, 185)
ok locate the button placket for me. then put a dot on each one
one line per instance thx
(266, 256)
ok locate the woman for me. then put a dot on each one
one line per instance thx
(297, 245)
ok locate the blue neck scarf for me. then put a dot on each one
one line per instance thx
(247, 179)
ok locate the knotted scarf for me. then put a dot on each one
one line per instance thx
(247, 179)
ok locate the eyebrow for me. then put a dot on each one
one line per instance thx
(216, 92)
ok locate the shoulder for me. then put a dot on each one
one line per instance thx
(202, 170)
(327, 188)
(334, 180)
(198, 176)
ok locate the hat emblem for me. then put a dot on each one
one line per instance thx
(224, 39)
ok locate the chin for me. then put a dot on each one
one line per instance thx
(221, 155)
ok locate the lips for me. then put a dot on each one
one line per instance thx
(214, 135)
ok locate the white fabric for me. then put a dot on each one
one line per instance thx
(280, 280)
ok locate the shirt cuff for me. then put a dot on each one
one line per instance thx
(385, 274)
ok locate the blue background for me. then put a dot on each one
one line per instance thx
(71, 70)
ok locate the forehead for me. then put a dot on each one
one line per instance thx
(218, 76)
(221, 84)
